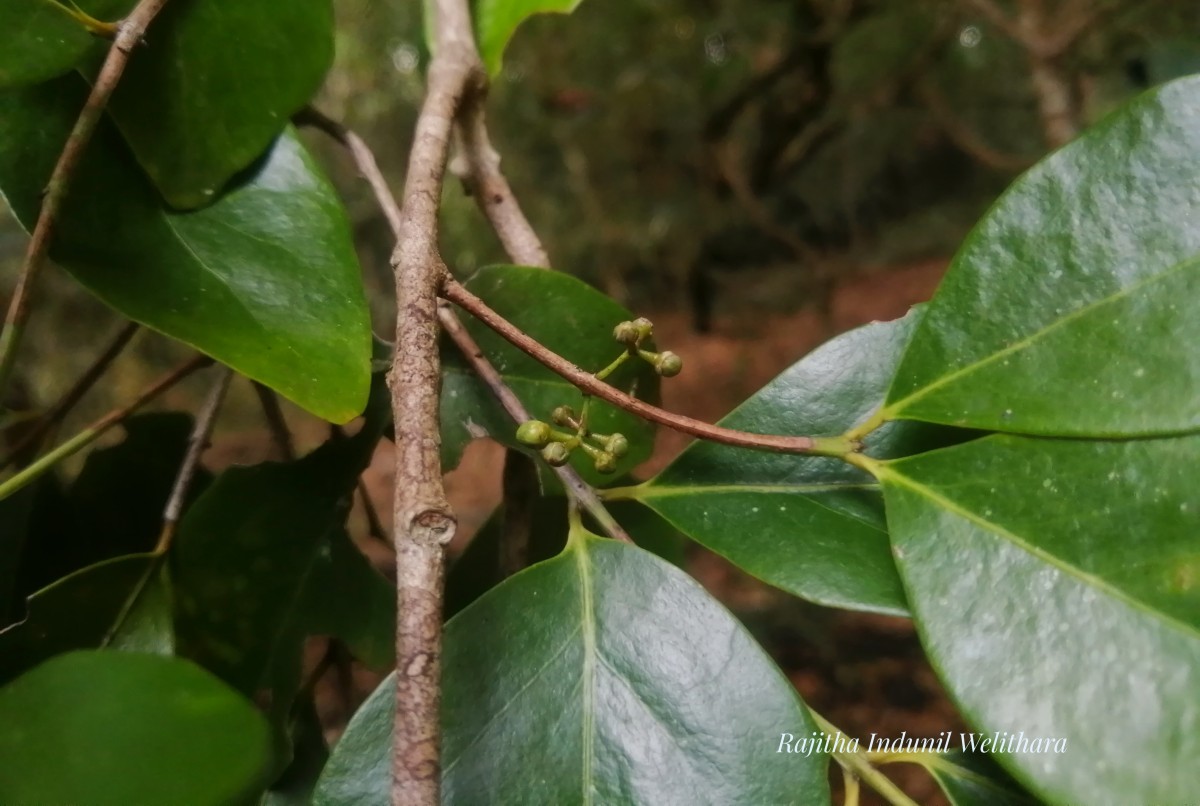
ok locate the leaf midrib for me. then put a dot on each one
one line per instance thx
(895, 409)
(1099, 583)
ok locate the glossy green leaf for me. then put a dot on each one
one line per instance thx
(811, 526)
(120, 728)
(41, 39)
(612, 678)
(497, 20)
(216, 83)
(1056, 588)
(249, 555)
(973, 779)
(123, 603)
(265, 280)
(572, 319)
(1073, 308)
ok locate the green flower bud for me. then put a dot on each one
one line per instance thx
(669, 364)
(617, 445)
(626, 333)
(564, 415)
(605, 462)
(645, 327)
(556, 454)
(534, 433)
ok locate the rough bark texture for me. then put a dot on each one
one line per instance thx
(424, 522)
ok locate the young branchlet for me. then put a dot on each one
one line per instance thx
(603, 449)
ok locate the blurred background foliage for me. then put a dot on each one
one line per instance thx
(716, 156)
(752, 152)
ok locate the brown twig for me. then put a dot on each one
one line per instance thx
(206, 418)
(281, 436)
(576, 487)
(95, 430)
(480, 172)
(587, 382)
(364, 160)
(86, 381)
(424, 522)
(129, 34)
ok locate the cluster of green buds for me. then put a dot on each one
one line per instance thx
(603, 449)
(556, 446)
(632, 334)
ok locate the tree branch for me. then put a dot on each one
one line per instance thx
(129, 34)
(424, 522)
(587, 382)
(276, 424)
(479, 169)
(206, 418)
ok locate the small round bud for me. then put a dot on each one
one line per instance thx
(563, 415)
(606, 462)
(626, 333)
(534, 433)
(618, 445)
(669, 364)
(556, 454)
(645, 327)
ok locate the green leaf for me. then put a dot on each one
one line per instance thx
(612, 678)
(568, 317)
(349, 599)
(497, 20)
(124, 601)
(265, 280)
(1056, 588)
(811, 526)
(216, 83)
(1071, 309)
(973, 779)
(119, 728)
(41, 39)
(249, 555)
